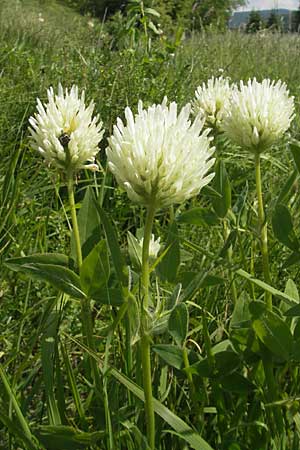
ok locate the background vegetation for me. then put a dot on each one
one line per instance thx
(130, 57)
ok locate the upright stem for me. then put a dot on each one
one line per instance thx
(145, 345)
(86, 315)
(70, 184)
(229, 257)
(263, 231)
(267, 360)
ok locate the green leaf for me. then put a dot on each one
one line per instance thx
(15, 430)
(109, 296)
(95, 270)
(135, 251)
(171, 354)
(152, 11)
(48, 348)
(42, 258)
(221, 184)
(71, 380)
(67, 438)
(210, 280)
(273, 332)
(230, 241)
(112, 241)
(178, 323)
(295, 149)
(283, 227)
(266, 287)
(286, 191)
(88, 224)
(23, 424)
(198, 216)
(237, 383)
(184, 431)
(225, 362)
(58, 276)
(241, 314)
(169, 264)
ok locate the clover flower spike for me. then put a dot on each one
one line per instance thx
(258, 114)
(211, 101)
(64, 132)
(159, 157)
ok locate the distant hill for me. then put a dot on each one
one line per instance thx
(240, 18)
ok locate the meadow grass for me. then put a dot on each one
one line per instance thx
(48, 373)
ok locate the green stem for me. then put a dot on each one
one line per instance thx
(145, 344)
(70, 184)
(267, 360)
(229, 257)
(262, 223)
(86, 315)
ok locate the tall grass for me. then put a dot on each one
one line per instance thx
(45, 377)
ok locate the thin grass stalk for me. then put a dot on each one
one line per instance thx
(22, 421)
(145, 344)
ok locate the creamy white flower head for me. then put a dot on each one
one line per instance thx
(159, 157)
(258, 114)
(64, 132)
(211, 101)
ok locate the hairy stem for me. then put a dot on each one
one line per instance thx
(145, 344)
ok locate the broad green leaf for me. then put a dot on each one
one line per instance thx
(169, 265)
(283, 227)
(67, 438)
(236, 383)
(225, 362)
(178, 323)
(95, 270)
(198, 216)
(135, 251)
(266, 287)
(58, 276)
(241, 315)
(88, 224)
(112, 241)
(221, 184)
(109, 296)
(40, 258)
(273, 332)
(291, 290)
(171, 354)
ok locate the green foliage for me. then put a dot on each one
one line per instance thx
(46, 370)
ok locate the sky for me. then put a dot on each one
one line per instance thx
(270, 4)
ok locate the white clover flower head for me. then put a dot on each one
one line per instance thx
(211, 101)
(258, 114)
(64, 132)
(159, 157)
